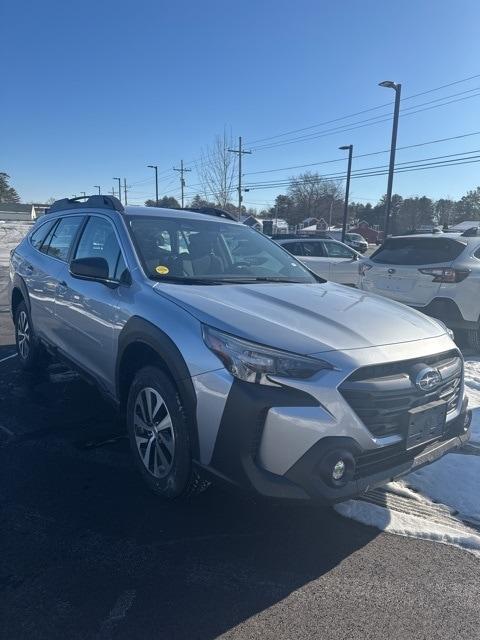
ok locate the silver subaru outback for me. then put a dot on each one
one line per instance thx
(230, 359)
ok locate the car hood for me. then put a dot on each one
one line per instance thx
(303, 318)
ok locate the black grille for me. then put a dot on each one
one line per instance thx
(381, 395)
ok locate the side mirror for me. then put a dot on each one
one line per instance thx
(90, 269)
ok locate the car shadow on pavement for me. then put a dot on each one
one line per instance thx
(88, 552)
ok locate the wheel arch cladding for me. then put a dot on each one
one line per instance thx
(19, 294)
(141, 343)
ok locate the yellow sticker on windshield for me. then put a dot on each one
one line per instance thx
(162, 270)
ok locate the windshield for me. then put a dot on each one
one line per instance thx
(211, 251)
(355, 236)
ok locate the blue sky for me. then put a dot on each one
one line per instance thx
(93, 90)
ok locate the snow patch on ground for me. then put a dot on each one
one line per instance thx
(453, 481)
(409, 525)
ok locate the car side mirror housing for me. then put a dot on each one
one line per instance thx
(90, 269)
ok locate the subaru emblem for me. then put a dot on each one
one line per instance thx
(390, 271)
(428, 379)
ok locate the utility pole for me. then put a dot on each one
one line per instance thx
(393, 147)
(119, 189)
(113, 192)
(240, 152)
(349, 148)
(97, 186)
(182, 170)
(154, 166)
(83, 194)
(125, 191)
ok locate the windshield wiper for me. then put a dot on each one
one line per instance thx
(226, 280)
(185, 280)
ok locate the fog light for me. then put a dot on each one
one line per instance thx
(338, 470)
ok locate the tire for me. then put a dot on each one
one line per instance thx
(473, 339)
(30, 352)
(159, 436)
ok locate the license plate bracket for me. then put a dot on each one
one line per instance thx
(426, 423)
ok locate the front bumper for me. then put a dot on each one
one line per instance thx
(244, 432)
(372, 469)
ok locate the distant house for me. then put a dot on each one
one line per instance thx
(21, 212)
(370, 234)
(252, 221)
(319, 224)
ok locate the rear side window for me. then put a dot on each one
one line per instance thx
(295, 248)
(38, 236)
(313, 249)
(415, 250)
(58, 242)
(338, 250)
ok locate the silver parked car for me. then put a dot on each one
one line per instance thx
(231, 360)
(327, 258)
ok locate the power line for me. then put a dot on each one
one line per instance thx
(361, 170)
(357, 113)
(363, 123)
(363, 155)
(446, 160)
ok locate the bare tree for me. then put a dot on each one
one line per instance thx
(312, 196)
(217, 170)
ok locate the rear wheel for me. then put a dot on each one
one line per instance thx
(159, 436)
(30, 352)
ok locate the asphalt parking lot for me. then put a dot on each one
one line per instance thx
(87, 552)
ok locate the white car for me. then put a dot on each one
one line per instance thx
(327, 258)
(438, 274)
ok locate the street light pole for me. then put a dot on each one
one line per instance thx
(349, 148)
(96, 186)
(393, 147)
(154, 166)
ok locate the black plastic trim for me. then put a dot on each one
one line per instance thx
(239, 434)
(19, 283)
(140, 331)
(448, 311)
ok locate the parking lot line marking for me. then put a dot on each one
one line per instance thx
(14, 355)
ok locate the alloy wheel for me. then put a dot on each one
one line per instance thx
(23, 335)
(154, 434)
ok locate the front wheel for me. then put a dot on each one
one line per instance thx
(159, 436)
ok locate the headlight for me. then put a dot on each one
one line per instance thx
(447, 330)
(255, 363)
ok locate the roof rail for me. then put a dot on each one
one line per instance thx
(472, 231)
(87, 202)
(213, 211)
